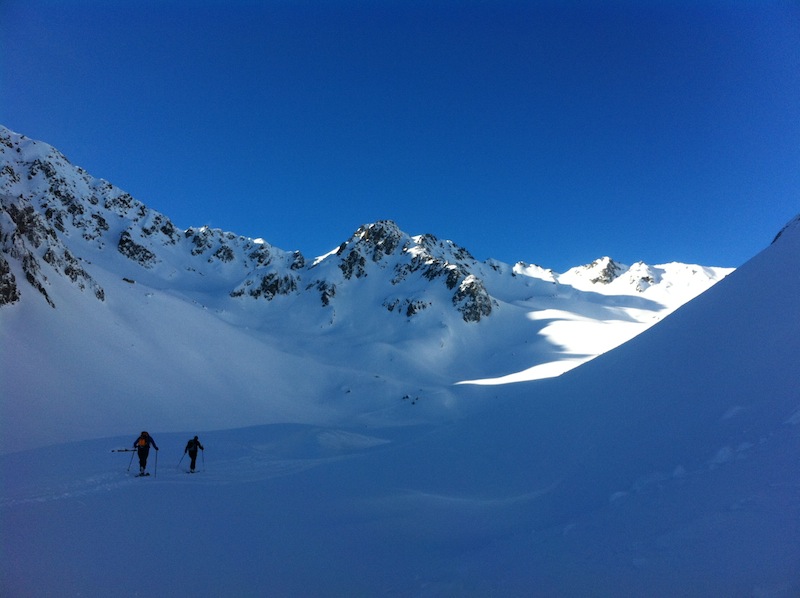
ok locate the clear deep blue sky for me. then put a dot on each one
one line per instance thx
(547, 132)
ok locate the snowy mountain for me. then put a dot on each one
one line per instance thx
(201, 327)
(666, 466)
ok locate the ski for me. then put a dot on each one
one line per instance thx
(142, 475)
(122, 450)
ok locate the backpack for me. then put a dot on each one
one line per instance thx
(142, 442)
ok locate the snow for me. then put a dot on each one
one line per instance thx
(537, 372)
(170, 342)
(665, 465)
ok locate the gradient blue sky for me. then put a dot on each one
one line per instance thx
(548, 132)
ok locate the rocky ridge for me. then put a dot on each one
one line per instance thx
(57, 220)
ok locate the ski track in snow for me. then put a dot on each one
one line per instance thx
(236, 463)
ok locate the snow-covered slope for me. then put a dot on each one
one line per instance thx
(665, 467)
(110, 316)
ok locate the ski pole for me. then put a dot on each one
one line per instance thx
(203, 452)
(155, 468)
(131, 463)
(178, 466)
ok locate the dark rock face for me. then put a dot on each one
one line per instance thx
(270, 286)
(609, 270)
(472, 300)
(353, 264)
(133, 251)
(327, 291)
(39, 206)
(29, 239)
(9, 293)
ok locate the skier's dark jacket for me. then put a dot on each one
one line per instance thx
(148, 441)
(192, 446)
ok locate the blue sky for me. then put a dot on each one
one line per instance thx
(547, 132)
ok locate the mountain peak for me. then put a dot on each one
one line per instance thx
(603, 270)
(383, 311)
(57, 220)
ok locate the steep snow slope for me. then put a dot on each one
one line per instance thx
(665, 467)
